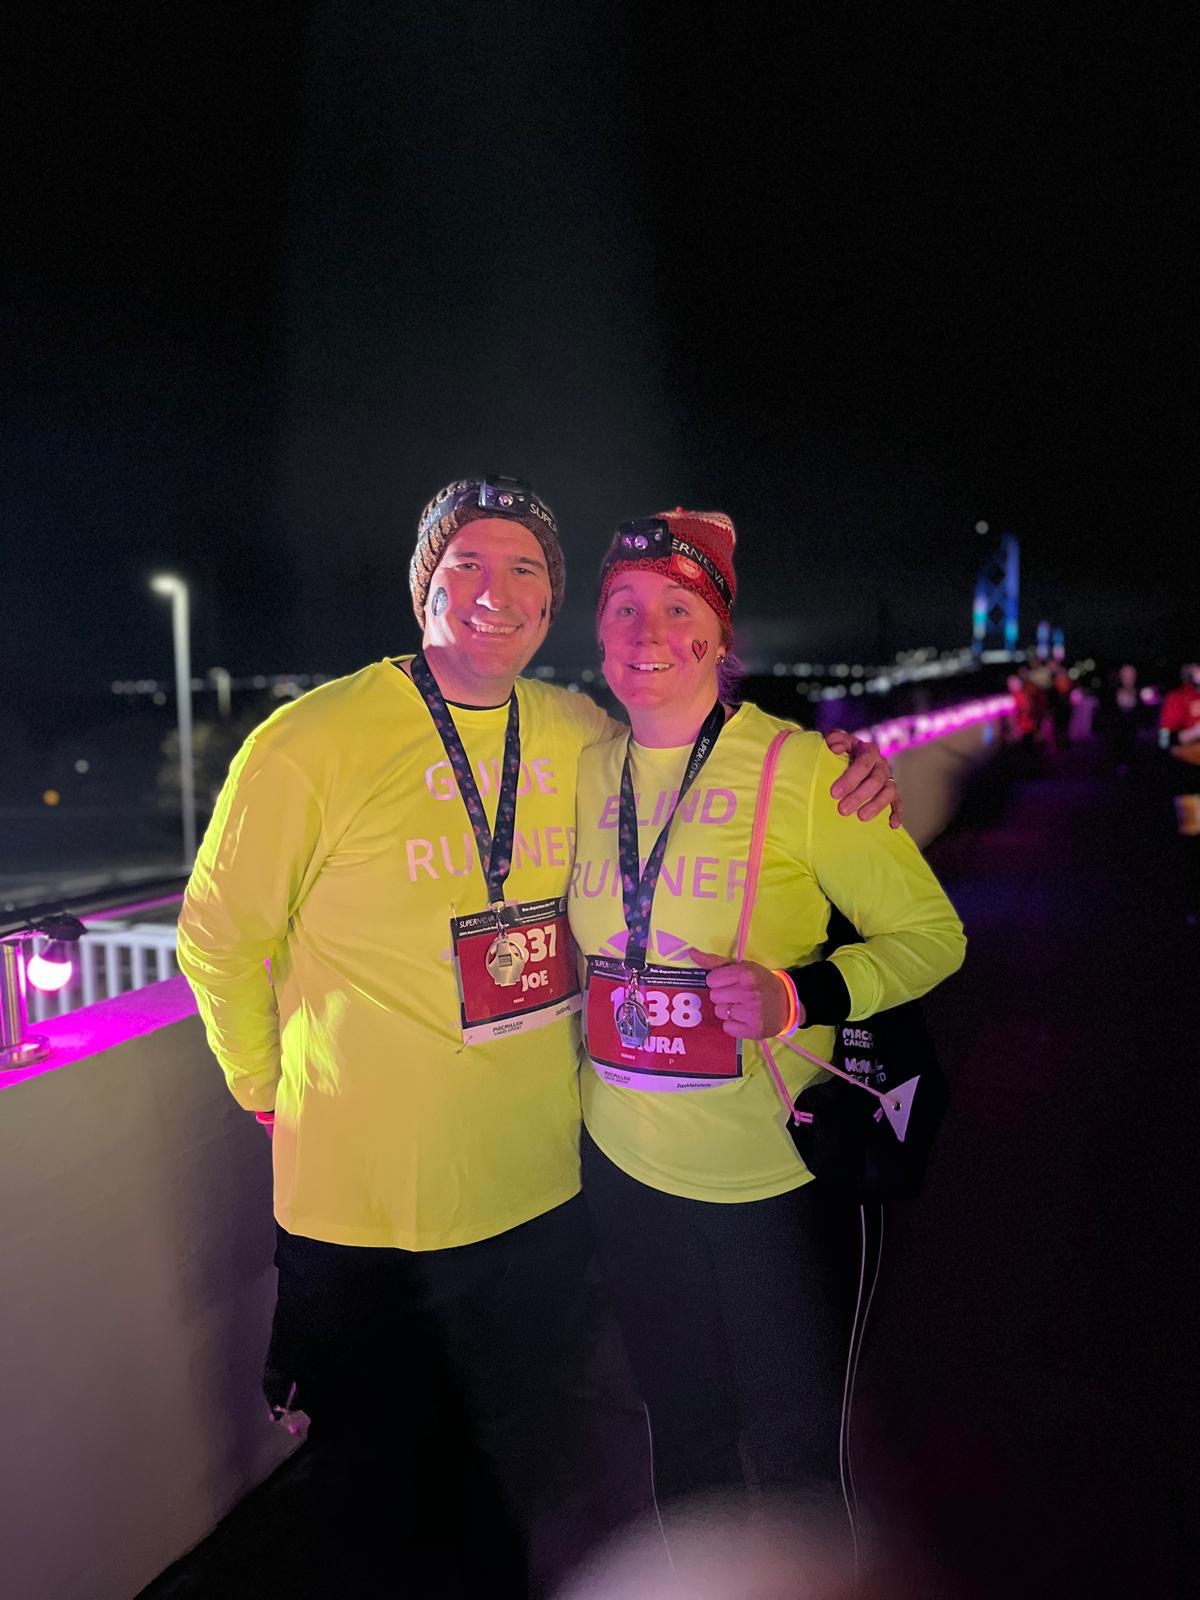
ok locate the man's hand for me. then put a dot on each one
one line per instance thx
(867, 785)
(750, 1000)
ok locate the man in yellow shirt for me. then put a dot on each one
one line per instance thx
(375, 920)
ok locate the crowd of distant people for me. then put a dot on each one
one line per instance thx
(1045, 697)
(1133, 716)
(1179, 739)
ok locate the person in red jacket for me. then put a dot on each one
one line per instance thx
(1179, 719)
(1179, 736)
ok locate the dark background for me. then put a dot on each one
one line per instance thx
(859, 277)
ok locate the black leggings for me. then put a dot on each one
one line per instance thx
(727, 1313)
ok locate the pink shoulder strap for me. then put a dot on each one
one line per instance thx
(758, 834)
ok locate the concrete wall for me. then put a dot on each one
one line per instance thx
(136, 1289)
(931, 777)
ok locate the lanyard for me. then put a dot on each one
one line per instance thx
(495, 852)
(638, 891)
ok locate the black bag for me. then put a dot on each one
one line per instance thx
(867, 1149)
(851, 1140)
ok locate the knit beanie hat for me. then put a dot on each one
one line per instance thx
(692, 548)
(467, 501)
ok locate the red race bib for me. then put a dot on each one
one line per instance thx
(687, 1047)
(536, 955)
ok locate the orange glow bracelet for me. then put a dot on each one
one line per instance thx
(793, 999)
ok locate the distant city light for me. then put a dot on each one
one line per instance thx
(158, 698)
(82, 766)
(50, 797)
(981, 527)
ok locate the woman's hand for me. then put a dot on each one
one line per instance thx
(867, 785)
(750, 1000)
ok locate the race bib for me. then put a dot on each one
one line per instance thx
(686, 1046)
(518, 978)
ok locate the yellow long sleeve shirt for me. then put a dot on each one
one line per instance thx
(728, 1142)
(337, 854)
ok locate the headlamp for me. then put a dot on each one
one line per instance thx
(651, 539)
(497, 497)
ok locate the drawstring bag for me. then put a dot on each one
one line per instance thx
(868, 1129)
(874, 1146)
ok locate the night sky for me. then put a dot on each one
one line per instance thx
(861, 280)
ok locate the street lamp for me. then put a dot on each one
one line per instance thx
(165, 583)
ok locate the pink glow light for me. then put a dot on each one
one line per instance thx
(903, 733)
(122, 913)
(48, 976)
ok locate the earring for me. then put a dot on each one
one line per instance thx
(720, 658)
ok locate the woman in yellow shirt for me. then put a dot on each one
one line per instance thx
(703, 1211)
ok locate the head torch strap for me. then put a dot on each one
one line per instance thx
(651, 539)
(498, 497)
(709, 566)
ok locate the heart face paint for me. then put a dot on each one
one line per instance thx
(439, 602)
(699, 648)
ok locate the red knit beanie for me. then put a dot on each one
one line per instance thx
(700, 558)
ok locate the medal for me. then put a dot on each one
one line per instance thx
(505, 961)
(632, 1022)
(506, 958)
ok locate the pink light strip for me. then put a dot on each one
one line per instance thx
(116, 913)
(904, 733)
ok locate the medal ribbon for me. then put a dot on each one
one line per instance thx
(495, 850)
(637, 890)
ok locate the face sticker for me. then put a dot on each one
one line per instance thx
(439, 602)
(699, 648)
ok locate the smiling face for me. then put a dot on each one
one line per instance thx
(487, 610)
(661, 643)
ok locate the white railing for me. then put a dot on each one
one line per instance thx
(111, 958)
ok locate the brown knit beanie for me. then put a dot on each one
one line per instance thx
(469, 500)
